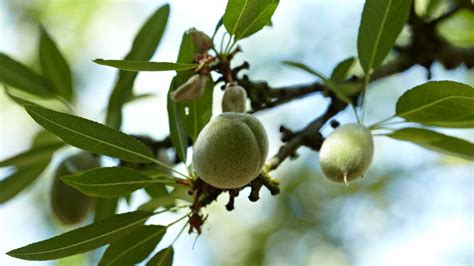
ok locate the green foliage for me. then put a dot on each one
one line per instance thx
(438, 103)
(143, 48)
(83, 239)
(458, 28)
(105, 207)
(15, 74)
(436, 142)
(54, 66)
(111, 181)
(134, 247)
(91, 136)
(343, 69)
(162, 258)
(179, 193)
(145, 65)
(69, 205)
(382, 21)
(243, 18)
(184, 125)
(28, 166)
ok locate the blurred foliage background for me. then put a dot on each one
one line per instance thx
(414, 207)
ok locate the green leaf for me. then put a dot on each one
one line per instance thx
(32, 155)
(382, 21)
(111, 181)
(162, 258)
(54, 66)
(187, 119)
(133, 248)
(167, 200)
(91, 136)
(28, 165)
(105, 207)
(20, 178)
(143, 48)
(336, 89)
(17, 75)
(439, 103)
(436, 142)
(306, 69)
(457, 29)
(83, 239)
(342, 70)
(22, 97)
(243, 18)
(145, 65)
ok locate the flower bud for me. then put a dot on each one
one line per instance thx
(191, 89)
(201, 41)
(234, 99)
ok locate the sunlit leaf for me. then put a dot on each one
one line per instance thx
(111, 181)
(54, 66)
(133, 248)
(91, 136)
(15, 74)
(83, 239)
(145, 65)
(436, 141)
(439, 103)
(143, 48)
(381, 23)
(243, 18)
(162, 258)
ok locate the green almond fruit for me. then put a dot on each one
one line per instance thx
(347, 153)
(68, 204)
(231, 150)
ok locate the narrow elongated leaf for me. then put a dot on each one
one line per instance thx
(54, 66)
(17, 75)
(243, 18)
(436, 141)
(306, 69)
(342, 70)
(133, 248)
(105, 207)
(339, 92)
(175, 119)
(22, 97)
(162, 258)
(167, 200)
(83, 239)
(29, 165)
(32, 156)
(145, 65)
(381, 23)
(91, 136)
(143, 48)
(187, 119)
(439, 103)
(111, 181)
(21, 178)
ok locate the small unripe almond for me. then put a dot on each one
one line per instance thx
(234, 99)
(201, 41)
(347, 153)
(68, 204)
(192, 89)
(230, 150)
